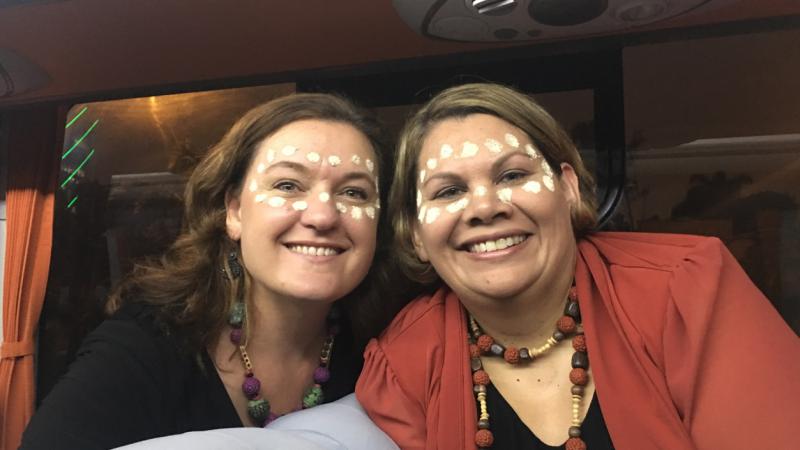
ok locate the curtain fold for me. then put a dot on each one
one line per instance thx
(33, 164)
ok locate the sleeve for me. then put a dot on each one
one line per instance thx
(731, 363)
(388, 403)
(109, 396)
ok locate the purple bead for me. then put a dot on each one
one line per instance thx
(251, 386)
(236, 336)
(322, 375)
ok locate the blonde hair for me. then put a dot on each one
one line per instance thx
(514, 107)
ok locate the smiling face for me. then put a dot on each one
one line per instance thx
(493, 217)
(307, 214)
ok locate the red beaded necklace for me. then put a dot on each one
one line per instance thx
(481, 344)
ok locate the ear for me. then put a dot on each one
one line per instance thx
(570, 185)
(233, 215)
(422, 254)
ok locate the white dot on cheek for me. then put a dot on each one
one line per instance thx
(504, 195)
(422, 211)
(260, 198)
(300, 205)
(355, 211)
(532, 186)
(370, 212)
(324, 197)
(341, 208)
(457, 206)
(548, 182)
(276, 202)
(432, 215)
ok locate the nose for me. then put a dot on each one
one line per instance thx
(321, 213)
(486, 206)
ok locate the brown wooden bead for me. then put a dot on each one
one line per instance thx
(474, 351)
(497, 349)
(482, 378)
(566, 325)
(484, 438)
(511, 355)
(559, 336)
(573, 310)
(483, 424)
(578, 377)
(577, 390)
(525, 354)
(580, 360)
(574, 431)
(476, 364)
(579, 343)
(575, 443)
(485, 343)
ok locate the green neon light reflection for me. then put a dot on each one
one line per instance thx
(76, 117)
(72, 202)
(85, 160)
(80, 139)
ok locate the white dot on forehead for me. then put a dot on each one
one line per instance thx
(419, 198)
(355, 211)
(469, 149)
(341, 208)
(422, 176)
(300, 205)
(334, 160)
(480, 191)
(457, 205)
(253, 186)
(512, 140)
(313, 157)
(548, 182)
(504, 195)
(531, 151)
(276, 202)
(356, 160)
(261, 168)
(370, 212)
(431, 163)
(289, 150)
(446, 151)
(370, 165)
(493, 145)
(532, 186)
(261, 197)
(324, 197)
(422, 212)
(432, 215)
(270, 156)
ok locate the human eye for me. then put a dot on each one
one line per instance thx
(287, 186)
(448, 192)
(355, 193)
(510, 176)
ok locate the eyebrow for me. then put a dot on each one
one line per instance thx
(497, 163)
(302, 168)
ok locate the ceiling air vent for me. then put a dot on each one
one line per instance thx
(18, 75)
(525, 20)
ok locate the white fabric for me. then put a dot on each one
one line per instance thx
(341, 425)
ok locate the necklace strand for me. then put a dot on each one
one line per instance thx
(482, 344)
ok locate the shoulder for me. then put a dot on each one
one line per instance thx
(418, 322)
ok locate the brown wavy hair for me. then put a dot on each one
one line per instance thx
(505, 103)
(190, 285)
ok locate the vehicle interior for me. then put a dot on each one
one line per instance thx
(688, 113)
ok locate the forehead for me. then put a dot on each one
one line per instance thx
(324, 137)
(475, 128)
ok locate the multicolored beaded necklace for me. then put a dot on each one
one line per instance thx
(481, 344)
(258, 408)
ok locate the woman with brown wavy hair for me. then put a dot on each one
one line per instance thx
(250, 314)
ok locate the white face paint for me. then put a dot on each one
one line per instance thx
(260, 197)
(469, 150)
(419, 198)
(324, 197)
(313, 157)
(457, 206)
(253, 185)
(532, 186)
(531, 151)
(261, 168)
(276, 202)
(370, 212)
(356, 160)
(493, 145)
(355, 211)
(300, 205)
(421, 176)
(334, 160)
(341, 208)
(422, 211)
(504, 195)
(270, 156)
(548, 182)
(446, 151)
(432, 214)
(370, 165)
(289, 150)
(431, 163)
(480, 191)
(512, 140)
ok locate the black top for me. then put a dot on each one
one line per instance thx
(131, 382)
(511, 433)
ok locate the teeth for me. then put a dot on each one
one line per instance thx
(500, 244)
(313, 251)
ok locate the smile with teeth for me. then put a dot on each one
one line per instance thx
(499, 244)
(313, 251)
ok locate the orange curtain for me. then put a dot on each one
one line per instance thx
(32, 175)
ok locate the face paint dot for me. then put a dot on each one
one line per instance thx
(300, 205)
(422, 211)
(469, 149)
(370, 212)
(341, 208)
(432, 215)
(313, 157)
(457, 206)
(531, 151)
(324, 197)
(355, 211)
(431, 163)
(546, 168)
(446, 152)
(253, 186)
(334, 160)
(480, 191)
(512, 140)
(504, 195)
(270, 156)
(356, 160)
(548, 182)
(532, 186)
(422, 176)
(276, 202)
(378, 204)
(493, 145)
(288, 150)
(261, 168)
(260, 198)
(370, 165)
(419, 198)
